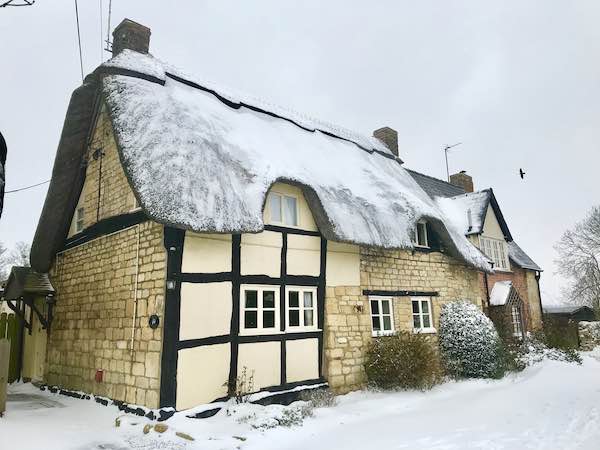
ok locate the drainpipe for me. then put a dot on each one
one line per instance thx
(135, 290)
(537, 279)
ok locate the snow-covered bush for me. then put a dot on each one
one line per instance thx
(535, 348)
(402, 361)
(469, 344)
(319, 398)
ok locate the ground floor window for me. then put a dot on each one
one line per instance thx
(259, 309)
(382, 316)
(516, 320)
(301, 308)
(421, 313)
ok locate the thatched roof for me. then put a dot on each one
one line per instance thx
(202, 158)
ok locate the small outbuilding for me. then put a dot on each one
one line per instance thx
(575, 313)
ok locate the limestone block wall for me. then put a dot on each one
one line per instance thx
(347, 311)
(96, 315)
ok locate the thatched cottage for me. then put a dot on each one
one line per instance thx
(192, 233)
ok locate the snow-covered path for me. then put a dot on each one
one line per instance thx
(551, 405)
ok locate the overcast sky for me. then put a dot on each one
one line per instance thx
(518, 82)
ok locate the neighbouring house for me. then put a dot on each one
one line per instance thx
(571, 313)
(511, 292)
(192, 233)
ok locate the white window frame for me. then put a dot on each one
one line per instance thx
(421, 314)
(301, 308)
(282, 204)
(416, 241)
(381, 315)
(497, 251)
(259, 310)
(516, 320)
(79, 219)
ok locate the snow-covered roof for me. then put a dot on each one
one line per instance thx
(467, 211)
(566, 309)
(500, 293)
(200, 157)
(520, 258)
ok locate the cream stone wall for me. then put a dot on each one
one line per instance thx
(202, 375)
(96, 315)
(348, 329)
(533, 301)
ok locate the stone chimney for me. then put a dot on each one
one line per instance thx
(131, 35)
(389, 137)
(461, 179)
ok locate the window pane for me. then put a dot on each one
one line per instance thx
(421, 234)
(425, 306)
(376, 325)
(251, 299)
(250, 319)
(416, 321)
(387, 323)
(294, 318)
(308, 318)
(426, 322)
(293, 299)
(415, 307)
(374, 307)
(275, 207)
(290, 211)
(268, 319)
(269, 299)
(385, 306)
(308, 299)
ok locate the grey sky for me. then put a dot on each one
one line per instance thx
(517, 82)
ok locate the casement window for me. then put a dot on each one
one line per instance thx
(284, 209)
(301, 311)
(495, 249)
(382, 316)
(516, 320)
(421, 314)
(421, 239)
(79, 218)
(259, 309)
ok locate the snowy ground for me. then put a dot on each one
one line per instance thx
(552, 405)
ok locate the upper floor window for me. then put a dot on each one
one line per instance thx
(421, 313)
(301, 308)
(495, 249)
(284, 209)
(421, 239)
(382, 316)
(260, 309)
(79, 219)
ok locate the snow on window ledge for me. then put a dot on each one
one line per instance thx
(429, 330)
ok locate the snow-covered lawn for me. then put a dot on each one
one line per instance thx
(552, 405)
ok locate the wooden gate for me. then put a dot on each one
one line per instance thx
(10, 328)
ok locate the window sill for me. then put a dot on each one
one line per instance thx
(301, 330)
(502, 270)
(424, 330)
(382, 333)
(260, 332)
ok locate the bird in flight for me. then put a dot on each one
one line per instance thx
(522, 174)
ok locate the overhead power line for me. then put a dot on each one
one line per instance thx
(27, 187)
(15, 3)
(79, 39)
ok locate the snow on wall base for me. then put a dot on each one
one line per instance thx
(589, 335)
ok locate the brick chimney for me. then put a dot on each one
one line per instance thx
(461, 179)
(131, 35)
(389, 137)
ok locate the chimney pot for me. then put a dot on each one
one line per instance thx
(462, 180)
(131, 35)
(389, 137)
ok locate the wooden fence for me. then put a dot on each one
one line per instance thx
(10, 328)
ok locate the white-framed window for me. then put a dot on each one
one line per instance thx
(421, 314)
(421, 239)
(283, 209)
(382, 316)
(495, 249)
(79, 219)
(259, 312)
(516, 320)
(301, 305)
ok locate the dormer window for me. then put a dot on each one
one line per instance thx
(421, 234)
(283, 209)
(80, 215)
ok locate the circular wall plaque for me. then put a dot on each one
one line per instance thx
(153, 321)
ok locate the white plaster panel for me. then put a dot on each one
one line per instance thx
(206, 253)
(302, 359)
(205, 310)
(303, 255)
(261, 254)
(263, 359)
